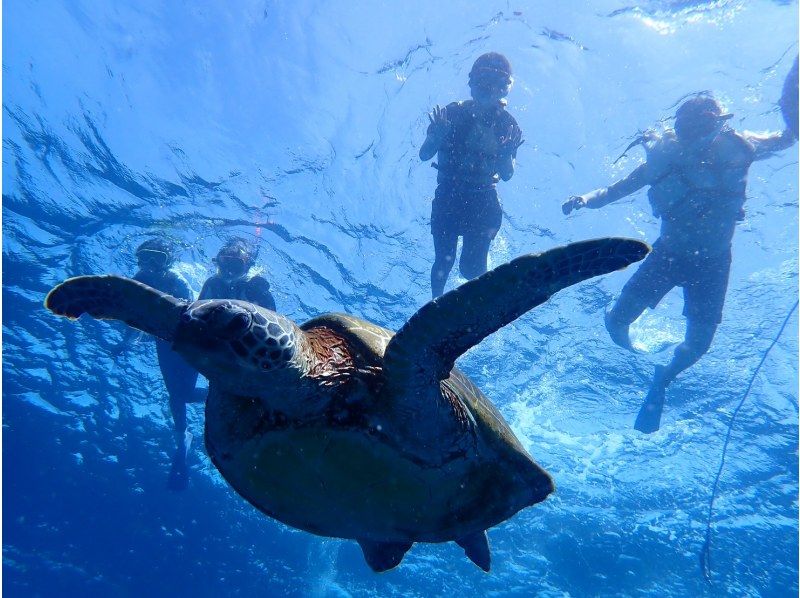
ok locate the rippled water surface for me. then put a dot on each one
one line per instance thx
(298, 124)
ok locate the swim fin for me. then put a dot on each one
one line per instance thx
(649, 418)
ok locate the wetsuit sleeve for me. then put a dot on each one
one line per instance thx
(641, 176)
(206, 292)
(508, 150)
(766, 144)
(512, 129)
(181, 288)
(258, 291)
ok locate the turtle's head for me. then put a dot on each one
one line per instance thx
(226, 337)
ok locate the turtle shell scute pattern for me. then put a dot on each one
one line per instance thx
(268, 345)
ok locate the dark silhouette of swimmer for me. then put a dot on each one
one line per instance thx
(232, 281)
(477, 142)
(697, 175)
(155, 256)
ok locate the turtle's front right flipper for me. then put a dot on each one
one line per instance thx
(426, 348)
(117, 298)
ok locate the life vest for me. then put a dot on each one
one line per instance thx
(679, 182)
(469, 154)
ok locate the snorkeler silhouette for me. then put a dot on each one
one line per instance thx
(476, 141)
(697, 175)
(155, 256)
(231, 281)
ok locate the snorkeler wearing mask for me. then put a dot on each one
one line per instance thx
(231, 281)
(155, 257)
(476, 141)
(697, 175)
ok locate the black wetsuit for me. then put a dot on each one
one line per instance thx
(179, 377)
(466, 202)
(254, 289)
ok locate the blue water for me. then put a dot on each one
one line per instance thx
(128, 118)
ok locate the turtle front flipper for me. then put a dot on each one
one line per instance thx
(426, 347)
(117, 298)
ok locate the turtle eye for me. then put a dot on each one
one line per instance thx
(229, 321)
(238, 323)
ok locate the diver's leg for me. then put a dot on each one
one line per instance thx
(645, 288)
(445, 239)
(703, 299)
(484, 218)
(445, 244)
(180, 380)
(475, 254)
(705, 285)
(697, 342)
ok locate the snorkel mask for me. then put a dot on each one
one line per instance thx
(154, 255)
(234, 259)
(490, 78)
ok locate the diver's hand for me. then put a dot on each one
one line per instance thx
(511, 143)
(575, 202)
(440, 126)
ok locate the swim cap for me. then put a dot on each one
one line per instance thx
(490, 67)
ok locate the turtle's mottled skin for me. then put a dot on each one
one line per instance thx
(341, 428)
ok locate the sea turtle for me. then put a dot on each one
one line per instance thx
(341, 428)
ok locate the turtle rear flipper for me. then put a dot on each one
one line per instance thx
(117, 298)
(426, 347)
(382, 556)
(476, 547)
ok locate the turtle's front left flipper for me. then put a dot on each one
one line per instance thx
(117, 298)
(428, 345)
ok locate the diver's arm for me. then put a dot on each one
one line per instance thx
(508, 153)
(179, 288)
(766, 144)
(430, 146)
(606, 195)
(506, 167)
(205, 292)
(269, 302)
(185, 290)
(259, 293)
(438, 129)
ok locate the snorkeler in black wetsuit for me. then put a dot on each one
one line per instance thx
(698, 177)
(234, 261)
(155, 256)
(476, 141)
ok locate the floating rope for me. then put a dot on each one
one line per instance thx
(705, 564)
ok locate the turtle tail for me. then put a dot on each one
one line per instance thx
(117, 298)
